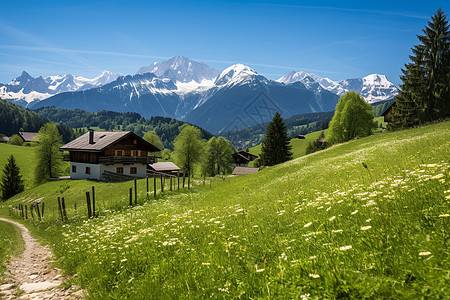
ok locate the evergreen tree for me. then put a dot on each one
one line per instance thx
(48, 156)
(12, 182)
(425, 88)
(352, 118)
(276, 146)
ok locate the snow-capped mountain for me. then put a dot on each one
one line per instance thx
(238, 74)
(237, 98)
(26, 89)
(187, 74)
(373, 88)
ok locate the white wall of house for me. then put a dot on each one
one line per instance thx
(140, 168)
(96, 170)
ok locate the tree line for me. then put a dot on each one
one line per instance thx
(166, 128)
(15, 118)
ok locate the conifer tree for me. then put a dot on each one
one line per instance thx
(276, 146)
(12, 182)
(425, 88)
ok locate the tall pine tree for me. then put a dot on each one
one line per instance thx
(425, 88)
(12, 182)
(276, 146)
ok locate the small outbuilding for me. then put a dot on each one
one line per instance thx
(167, 167)
(27, 136)
(300, 137)
(3, 138)
(388, 114)
(244, 170)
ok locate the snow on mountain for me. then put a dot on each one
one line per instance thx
(185, 73)
(26, 89)
(373, 88)
(237, 74)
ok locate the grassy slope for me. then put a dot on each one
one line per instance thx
(24, 158)
(298, 146)
(11, 243)
(322, 224)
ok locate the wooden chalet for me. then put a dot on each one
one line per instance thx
(300, 137)
(243, 158)
(27, 136)
(105, 155)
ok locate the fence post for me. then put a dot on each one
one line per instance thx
(43, 206)
(135, 191)
(154, 184)
(184, 178)
(162, 184)
(38, 212)
(93, 201)
(31, 211)
(178, 177)
(60, 209)
(204, 178)
(26, 212)
(88, 202)
(63, 204)
(170, 183)
(131, 196)
(147, 186)
(189, 179)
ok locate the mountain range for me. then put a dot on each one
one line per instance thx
(26, 90)
(236, 98)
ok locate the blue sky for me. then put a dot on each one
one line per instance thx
(334, 39)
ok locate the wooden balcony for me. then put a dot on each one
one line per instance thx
(111, 160)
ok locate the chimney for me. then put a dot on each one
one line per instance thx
(91, 136)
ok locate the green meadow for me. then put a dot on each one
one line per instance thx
(364, 219)
(11, 243)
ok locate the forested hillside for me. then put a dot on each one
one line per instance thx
(15, 118)
(166, 128)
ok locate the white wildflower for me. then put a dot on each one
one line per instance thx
(345, 248)
(426, 253)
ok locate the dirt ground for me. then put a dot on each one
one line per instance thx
(31, 276)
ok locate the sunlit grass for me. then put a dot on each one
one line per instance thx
(365, 219)
(11, 243)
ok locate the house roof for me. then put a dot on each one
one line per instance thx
(102, 139)
(3, 138)
(27, 136)
(246, 155)
(164, 166)
(244, 170)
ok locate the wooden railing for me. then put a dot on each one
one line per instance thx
(110, 160)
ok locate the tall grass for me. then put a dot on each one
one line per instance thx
(11, 243)
(365, 219)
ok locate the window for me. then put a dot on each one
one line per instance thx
(135, 153)
(127, 152)
(133, 170)
(74, 169)
(88, 170)
(135, 142)
(119, 170)
(119, 152)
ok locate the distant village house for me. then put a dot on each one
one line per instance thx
(109, 156)
(243, 158)
(166, 167)
(4, 138)
(27, 136)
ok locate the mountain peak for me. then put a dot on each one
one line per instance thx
(234, 74)
(181, 69)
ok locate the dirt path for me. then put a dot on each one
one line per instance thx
(32, 276)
